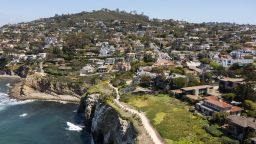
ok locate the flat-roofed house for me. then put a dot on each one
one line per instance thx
(163, 63)
(195, 90)
(119, 59)
(102, 69)
(123, 66)
(130, 57)
(87, 70)
(110, 61)
(229, 84)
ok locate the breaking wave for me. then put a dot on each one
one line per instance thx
(23, 115)
(5, 101)
(73, 127)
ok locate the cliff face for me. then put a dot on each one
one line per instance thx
(41, 87)
(104, 122)
(53, 86)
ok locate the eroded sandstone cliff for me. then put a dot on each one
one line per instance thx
(104, 122)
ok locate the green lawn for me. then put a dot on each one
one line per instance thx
(172, 119)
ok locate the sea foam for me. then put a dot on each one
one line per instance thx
(23, 115)
(5, 101)
(73, 127)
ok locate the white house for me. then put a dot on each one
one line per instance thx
(42, 55)
(31, 57)
(86, 70)
(106, 50)
(51, 40)
(227, 61)
(110, 61)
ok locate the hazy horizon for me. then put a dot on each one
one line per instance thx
(196, 11)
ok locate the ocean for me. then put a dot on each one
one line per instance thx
(38, 122)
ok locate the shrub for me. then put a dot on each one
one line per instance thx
(229, 96)
(227, 140)
(205, 60)
(178, 70)
(179, 82)
(216, 66)
(220, 117)
(213, 130)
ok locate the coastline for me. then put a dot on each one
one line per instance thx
(9, 76)
(18, 91)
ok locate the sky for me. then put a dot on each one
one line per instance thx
(197, 11)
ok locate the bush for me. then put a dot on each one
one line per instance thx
(229, 96)
(205, 60)
(55, 72)
(227, 140)
(216, 66)
(213, 130)
(220, 117)
(179, 82)
(178, 70)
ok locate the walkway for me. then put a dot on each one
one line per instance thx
(145, 122)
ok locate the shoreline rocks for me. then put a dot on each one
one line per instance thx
(29, 89)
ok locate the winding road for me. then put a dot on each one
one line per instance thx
(145, 122)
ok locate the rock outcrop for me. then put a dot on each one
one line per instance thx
(105, 123)
(52, 85)
(41, 87)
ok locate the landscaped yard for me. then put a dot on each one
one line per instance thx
(172, 119)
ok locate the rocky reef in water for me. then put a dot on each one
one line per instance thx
(105, 123)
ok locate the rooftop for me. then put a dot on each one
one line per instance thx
(218, 102)
(232, 79)
(215, 101)
(196, 87)
(243, 121)
(164, 63)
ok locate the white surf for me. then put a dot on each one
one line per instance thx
(5, 101)
(23, 115)
(73, 127)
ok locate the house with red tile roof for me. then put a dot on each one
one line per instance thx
(213, 104)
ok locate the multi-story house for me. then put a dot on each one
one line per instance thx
(123, 66)
(241, 127)
(87, 70)
(227, 60)
(106, 50)
(229, 84)
(212, 104)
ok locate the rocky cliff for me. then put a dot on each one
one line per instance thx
(104, 122)
(41, 87)
(53, 85)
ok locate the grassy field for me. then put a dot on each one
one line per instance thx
(172, 119)
(103, 88)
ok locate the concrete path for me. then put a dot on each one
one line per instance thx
(145, 122)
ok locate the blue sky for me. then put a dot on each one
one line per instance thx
(239, 11)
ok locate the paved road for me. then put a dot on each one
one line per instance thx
(145, 122)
